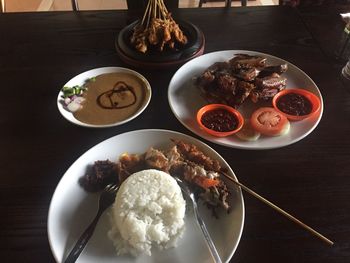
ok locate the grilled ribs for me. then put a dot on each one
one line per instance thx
(232, 82)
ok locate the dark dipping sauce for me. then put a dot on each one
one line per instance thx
(294, 104)
(219, 120)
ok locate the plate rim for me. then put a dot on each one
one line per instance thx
(193, 139)
(110, 69)
(235, 51)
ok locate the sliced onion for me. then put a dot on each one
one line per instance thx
(67, 101)
(79, 100)
(73, 106)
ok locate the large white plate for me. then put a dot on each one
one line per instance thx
(72, 209)
(185, 100)
(81, 79)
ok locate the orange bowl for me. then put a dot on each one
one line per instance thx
(216, 108)
(312, 98)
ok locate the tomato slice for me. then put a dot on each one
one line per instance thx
(270, 122)
(205, 182)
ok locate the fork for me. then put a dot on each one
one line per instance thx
(186, 190)
(107, 198)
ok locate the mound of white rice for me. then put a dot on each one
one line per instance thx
(148, 212)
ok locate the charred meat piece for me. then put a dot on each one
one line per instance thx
(244, 61)
(211, 73)
(268, 87)
(220, 67)
(156, 159)
(206, 79)
(192, 153)
(247, 74)
(275, 81)
(268, 71)
(227, 84)
(129, 164)
(242, 93)
(100, 174)
(216, 197)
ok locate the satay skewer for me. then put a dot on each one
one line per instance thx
(278, 209)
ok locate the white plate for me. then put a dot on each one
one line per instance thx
(185, 100)
(72, 209)
(81, 79)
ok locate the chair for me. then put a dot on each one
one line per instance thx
(134, 4)
(141, 4)
(75, 5)
(2, 6)
(227, 2)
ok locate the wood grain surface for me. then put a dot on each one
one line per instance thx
(39, 52)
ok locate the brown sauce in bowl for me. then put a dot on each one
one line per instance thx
(219, 120)
(112, 98)
(294, 104)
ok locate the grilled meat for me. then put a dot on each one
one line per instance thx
(99, 175)
(242, 92)
(268, 87)
(268, 71)
(190, 152)
(183, 160)
(247, 74)
(156, 159)
(244, 61)
(241, 77)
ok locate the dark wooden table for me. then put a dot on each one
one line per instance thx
(39, 52)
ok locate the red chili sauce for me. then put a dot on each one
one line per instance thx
(219, 120)
(294, 104)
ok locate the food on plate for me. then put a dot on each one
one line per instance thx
(183, 160)
(244, 76)
(248, 133)
(72, 96)
(219, 120)
(148, 212)
(157, 30)
(296, 104)
(99, 175)
(107, 99)
(268, 121)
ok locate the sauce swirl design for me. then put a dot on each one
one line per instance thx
(116, 97)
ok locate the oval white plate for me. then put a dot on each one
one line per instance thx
(81, 79)
(185, 100)
(72, 209)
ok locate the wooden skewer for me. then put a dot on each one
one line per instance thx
(289, 216)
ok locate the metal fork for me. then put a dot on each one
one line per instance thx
(107, 198)
(186, 190)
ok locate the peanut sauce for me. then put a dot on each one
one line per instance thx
(294, 104)
(111, 98)
(219, 120)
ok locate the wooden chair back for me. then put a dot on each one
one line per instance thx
(2, 6)
(141, 4)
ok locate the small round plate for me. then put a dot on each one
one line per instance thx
(81, 79)
(156, 59)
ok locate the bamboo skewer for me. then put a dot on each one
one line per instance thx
(278, 209)
(154, 9)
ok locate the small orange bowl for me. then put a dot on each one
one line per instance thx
(312, 98)
(221, 119)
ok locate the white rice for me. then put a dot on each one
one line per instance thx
(148, 212)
